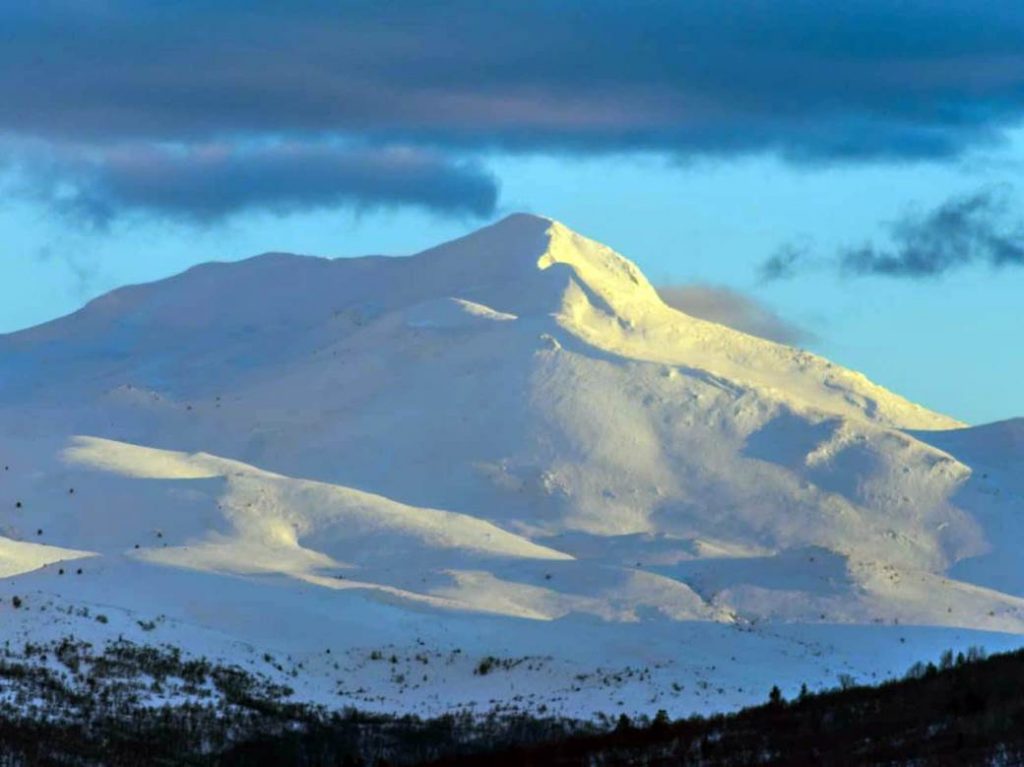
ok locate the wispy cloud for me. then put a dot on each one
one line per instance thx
(784, 263)
(737, 310)
(82, 269)
(977, 228)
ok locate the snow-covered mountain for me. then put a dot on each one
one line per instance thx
(506, 446)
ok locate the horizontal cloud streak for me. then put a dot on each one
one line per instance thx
(811, 80)
(734, 309)
(207, 182)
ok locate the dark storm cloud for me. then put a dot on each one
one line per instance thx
(810, 80)
(734, 309)
(211, 181)
(978, 228)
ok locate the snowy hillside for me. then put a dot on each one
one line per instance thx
(393, 469)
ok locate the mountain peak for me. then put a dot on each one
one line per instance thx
(529, 264)
(511, 424)
(521, 219)
(274, 309)
(516, 237)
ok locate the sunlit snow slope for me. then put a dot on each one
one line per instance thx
(509, 427)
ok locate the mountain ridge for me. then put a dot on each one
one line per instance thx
(512, 431)
(604, 297)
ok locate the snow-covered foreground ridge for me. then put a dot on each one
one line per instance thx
(508, 446)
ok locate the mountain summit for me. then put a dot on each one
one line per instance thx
(277, 307)
(510, 430)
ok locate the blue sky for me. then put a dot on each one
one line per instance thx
(871, 148)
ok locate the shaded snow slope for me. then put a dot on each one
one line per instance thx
(509, 427)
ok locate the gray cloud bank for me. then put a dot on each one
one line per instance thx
(807, 79)
(871, 78)
(737, 310)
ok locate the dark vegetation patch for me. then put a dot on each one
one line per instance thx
(67, 703)
(965, 710)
